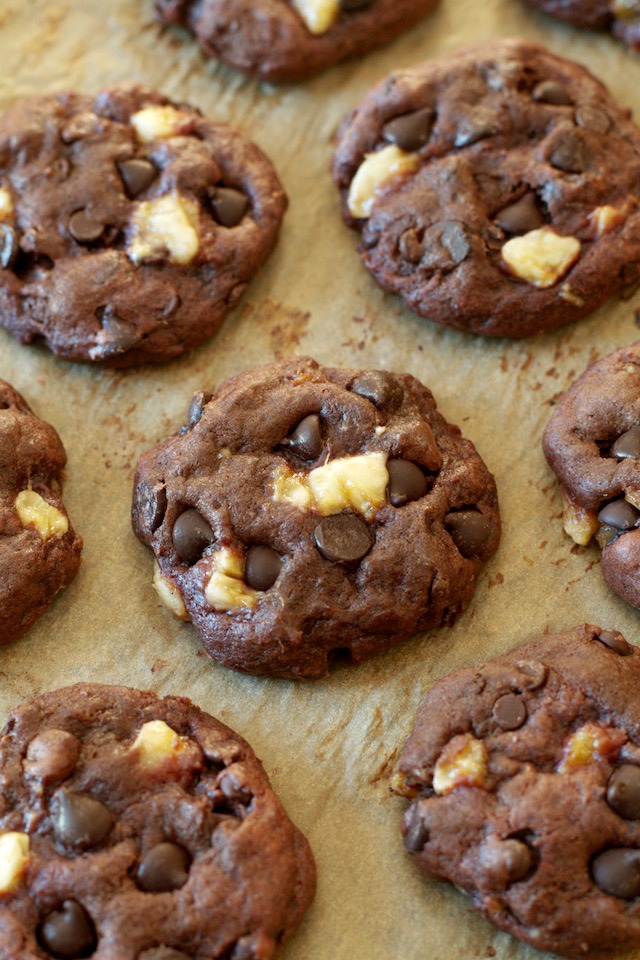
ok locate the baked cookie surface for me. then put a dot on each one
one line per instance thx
(39, 550)
(526, 776)
(135, 828)
(129, 225)
(592, 443)
(621, 17)
(287, 41)
(495, 189)
(306, 513)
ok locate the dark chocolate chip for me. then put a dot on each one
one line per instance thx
(417, 836)
(410, 131)
(80, 126)
(445, 244)
(521, 216)
(623, 791)
(593, 119)
(550, 91)
(407, 482)
(80, 821)
(617, 871)
(122, 334)
(154, 506)
(137, 175)
(197, 405)
(262, 567)
(8, 246)
(509, 712)
(68, 933)
(229, 206)
(164, 867)
(52, 755)
(506, 861)
(469, 530)
(453, 238)
(306, 440)
(535, 671)
(477, 125)
(343, 538)
(627, 445)
(379, 388)
(619, 514)
(84, 227)
(615, 641)
(569, 153)
(191, 536)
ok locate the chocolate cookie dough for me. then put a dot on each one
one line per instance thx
(525, 777)
(39, 550)
(133, 828)
(495, 189)
(288, 40)
(129, 225)
(621, 17)
(305, 514)
(592, 443)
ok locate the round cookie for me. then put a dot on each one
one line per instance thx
(129, 225)
(39, 550)
(525, 777)
(495, 189)
(306, 513)
(134, 828)
(621, 17)
(286, 41)
(592, 443)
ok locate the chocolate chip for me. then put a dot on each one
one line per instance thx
(306, 440)
(164, 867)
(8, 246)
(80, 126)
(615, 641)
(191, 536)
(477, 125)
(550, 91)
(155, 506)
(68, 933)
(445, 245)
(197, 405)
(569, 153)
(617, 871)
(509, 712)
(627, 445)
(84, 227)
(410, 131)
(521, 216)
(80, 821)
(417, 836)
(454, 239)
(535, 671)
(343, 538)
(52, 755)
(233, 790)
(619, 514)
(137, 175)
(407, 482)
(593, 119)
(229, 206)
(379, 388)
(623, 791)
(121, 334)
(505, 861)
(262, 567)
(469, 530)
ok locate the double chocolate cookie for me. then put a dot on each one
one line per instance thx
(525, 778)
(306, 513)
(592, 443)
(288, 40)
(621, 17)
(39, 550)
(495, 189)
(129, 225)
(133, 828)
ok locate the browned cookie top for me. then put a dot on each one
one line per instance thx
(621, 17)
(133, 828)
(496, 189)
(128, 225)
(592, 442)
(307, 512)
(526, 776)
(39, 550)
(287, 40)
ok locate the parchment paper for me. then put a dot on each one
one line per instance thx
(328, 746)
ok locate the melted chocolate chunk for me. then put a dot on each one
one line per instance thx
(569, 153)
(623, 791)
(619, 514)
(306, 440)
(137, 175)
(164, 867)
(52, 755)
(191, 536)
(343, 538)
(509, 712)
(80, 821)
(521, 216)
(262, 567)
(380, 389)
(411, 130)
(627, 445)
(535, 671)
(469, 530)
(617, 871)
(615, 641)
(407, 482)
(122, 334)
(8, 246)
(68, 933)
(229, 206)
(84, 227)
(550, 91)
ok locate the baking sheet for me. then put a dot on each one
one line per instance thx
(328, 746)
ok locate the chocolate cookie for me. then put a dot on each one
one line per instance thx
(129, 225)
(496, 189)
(621, 17)
(306, 513)
(525, 774)
(288, 40)
(133, 828)
(39, 550)
(592, 443)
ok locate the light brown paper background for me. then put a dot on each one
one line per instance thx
(328, 746)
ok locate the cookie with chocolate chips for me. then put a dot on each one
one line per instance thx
(129, 225)
(134, 828)
(524, 776)
(289, 40)
(620, 17)
(39, 550)
(305, 514)
(495, 189)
